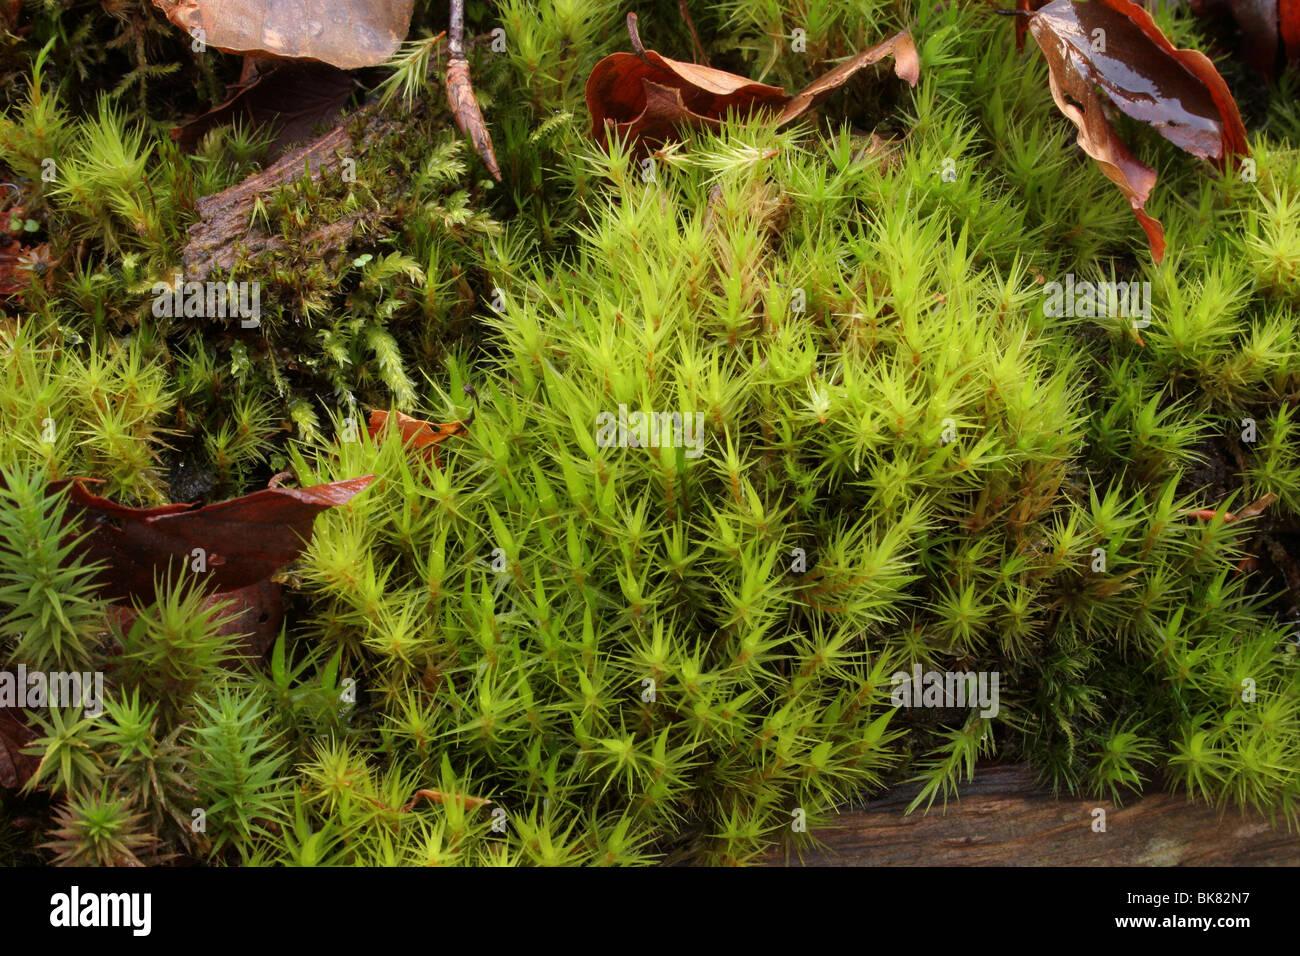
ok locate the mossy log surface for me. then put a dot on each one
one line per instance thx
(223, 233)
(1005, 819)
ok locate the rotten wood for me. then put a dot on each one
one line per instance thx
(224, 234)
(1004, 819)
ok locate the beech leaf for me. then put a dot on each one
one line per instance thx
(345, 33)
(16, 767)
(647, 96)
(417, 433)
(1177, 92)
(241, 542)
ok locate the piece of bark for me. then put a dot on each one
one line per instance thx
(1004, 819)
(223, 233)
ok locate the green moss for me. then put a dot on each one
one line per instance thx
(646, 654)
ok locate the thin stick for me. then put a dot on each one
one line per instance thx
(1253, 510)
(700, 55)
(456, 30)
(460, 92)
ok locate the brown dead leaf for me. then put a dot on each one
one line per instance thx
(1252, 510)
(16, 767)
(907, 66)
(242, 541)
(647, 97)
(1177, 92)
(348, 34)
(417, 433)
(437, 796)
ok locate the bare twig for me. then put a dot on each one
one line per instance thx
(700, 55)
(1252, 510)
(437, 796)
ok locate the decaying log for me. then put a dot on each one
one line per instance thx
(1004, 819)
(223, 234)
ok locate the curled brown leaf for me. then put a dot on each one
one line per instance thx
(1113, 46)
(468, 115)
(242, 541)
(646, 97)
(416, 433)
(907, 67)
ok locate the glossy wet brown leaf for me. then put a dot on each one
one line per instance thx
(242, 541)
(648, 97)
(1177, 92)
(345, 33)
(293, 98)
